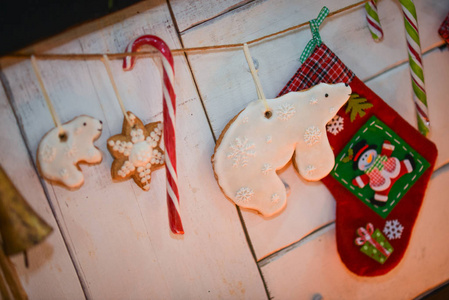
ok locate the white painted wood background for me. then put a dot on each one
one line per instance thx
(112, 240)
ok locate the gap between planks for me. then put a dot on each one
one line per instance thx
(325, 228)
(320, 231)
(222, 13)
(60, 223)
(242, 221)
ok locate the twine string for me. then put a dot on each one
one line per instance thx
(256, 79)
(96, 56)
(107, 65)
(46, 97)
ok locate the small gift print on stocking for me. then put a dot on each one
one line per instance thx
(382, 167)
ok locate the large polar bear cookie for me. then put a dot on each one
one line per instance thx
(255, 144)
(58, 155)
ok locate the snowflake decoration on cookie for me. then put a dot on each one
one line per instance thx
(49, 153)
(244, 195)
(335, 125)
(313, 100)
(266, 168)
(275, 198)
(312, 135)
(285, 111)
(70, 151)
(241, 150)
(393, 229)
(136, 151)
(310, 169)
(268, 139)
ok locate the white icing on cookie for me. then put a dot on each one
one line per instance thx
(244, 195)
(295, 127)
(137, 151)
(310, 169)
(240, 150)
(48, 154)
(312, 135)
(275, 198)
(313, 100)
(266, 169)
(141, 154)
(285, 111)
(268, 139)
(58, 158)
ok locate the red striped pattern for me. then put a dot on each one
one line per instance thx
(169, 114)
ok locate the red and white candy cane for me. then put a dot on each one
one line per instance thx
(169, 114)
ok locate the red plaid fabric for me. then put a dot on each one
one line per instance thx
(390, 165)
(444, 29)
(322, 66)
(376, 178)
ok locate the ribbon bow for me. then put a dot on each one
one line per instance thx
(316, 38)
(366, 235)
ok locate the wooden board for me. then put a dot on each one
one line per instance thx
(50, 263)
(226, 86)
(395, 88)
(315, 267)
(193, 12)
(119, 235)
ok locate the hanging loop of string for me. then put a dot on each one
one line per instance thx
(46, 97)
(107, 65)
(316, 38)
(256, 79)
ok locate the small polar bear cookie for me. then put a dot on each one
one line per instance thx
(256, 143)
(137, 151)
(58, 155)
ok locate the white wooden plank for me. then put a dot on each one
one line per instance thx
(395, 88)
(221, 74)
(120, 234)
(309, 206)
(193, 12)
(50, 263)
(226, 86)
(315, 268)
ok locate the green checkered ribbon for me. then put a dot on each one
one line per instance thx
(316, 38)
(378, 164)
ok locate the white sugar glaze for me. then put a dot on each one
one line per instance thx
(254, 147)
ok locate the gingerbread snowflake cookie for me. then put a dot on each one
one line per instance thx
(255, 144)
(136, 151)
(59, 154)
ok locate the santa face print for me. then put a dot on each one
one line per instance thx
(367, 159)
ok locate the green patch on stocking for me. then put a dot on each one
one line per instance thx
(371, 251)
(378, 166)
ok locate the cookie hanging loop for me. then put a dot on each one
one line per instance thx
(46, 97)
(256, 79)
(316, 38)
(107, 65)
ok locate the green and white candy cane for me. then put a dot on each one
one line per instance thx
(414, 55)
(415, 63)
(373, 20)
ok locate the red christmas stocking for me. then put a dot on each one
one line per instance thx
(382, 167)
(444, 30)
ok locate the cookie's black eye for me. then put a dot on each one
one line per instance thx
(84, 123)
(326, 95)
(101, 122)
